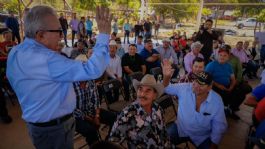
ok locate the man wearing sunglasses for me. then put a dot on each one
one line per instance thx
(42, 78)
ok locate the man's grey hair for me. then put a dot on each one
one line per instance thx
(196, 44)
(35, 19)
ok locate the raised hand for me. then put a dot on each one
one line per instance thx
(103, 18)
(167, 68)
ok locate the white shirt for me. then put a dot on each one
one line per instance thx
(114, 68)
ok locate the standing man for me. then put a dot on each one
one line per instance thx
(64, 25)
(81, 29)
(137, 29)
(89, 25)
(73, 25)
(148, 29)
(127, 30)
(206, 36)
(48, 102)
(12, 23)
(115, 27)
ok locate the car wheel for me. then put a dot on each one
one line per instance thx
(240, 26)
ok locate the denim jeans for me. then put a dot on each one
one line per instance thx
(176, 139)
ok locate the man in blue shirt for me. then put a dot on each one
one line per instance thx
(150, 55)
(42, 78)
(89, 25)
(201, 117)
(139, 44)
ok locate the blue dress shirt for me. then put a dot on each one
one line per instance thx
(140, 47)
(89, 25)
(42, 78)
(210, 121)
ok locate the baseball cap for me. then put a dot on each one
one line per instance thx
(204, 78)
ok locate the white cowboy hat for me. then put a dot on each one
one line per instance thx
(149, 80)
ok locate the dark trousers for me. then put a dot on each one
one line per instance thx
(148, 35)
(16, 35)
(73, 37)
(136, 36)
(126, 35)
(89, 33)
(251, 68)
(232, 99)
(65, 37)
(126, 84)
(89, 130)
(54, 137)
(3, 109)
(176, 139)
(262, 55)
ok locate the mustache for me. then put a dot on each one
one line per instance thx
(143, 97)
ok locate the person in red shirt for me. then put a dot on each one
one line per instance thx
(7, 44)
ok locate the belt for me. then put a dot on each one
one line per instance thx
(54, 122)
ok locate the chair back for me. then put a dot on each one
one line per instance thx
(111, 85)
(136, 75)
(157, 72)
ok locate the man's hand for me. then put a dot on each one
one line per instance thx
(103, 18)
(210, 31)
(167, 68)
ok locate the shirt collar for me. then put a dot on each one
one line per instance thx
(34, 42)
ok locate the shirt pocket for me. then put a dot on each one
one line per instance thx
(203, 120)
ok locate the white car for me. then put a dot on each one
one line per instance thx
(249, 22)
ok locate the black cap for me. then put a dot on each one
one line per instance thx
(204, 78)
(147, 40)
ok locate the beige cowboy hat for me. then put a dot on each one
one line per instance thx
(149, 80)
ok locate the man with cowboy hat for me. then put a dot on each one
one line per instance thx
(141, 123)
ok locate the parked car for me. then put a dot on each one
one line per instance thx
(249, 22)
(230, 32)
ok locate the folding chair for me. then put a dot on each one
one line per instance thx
(110, 86)
(157, 72)
(166, 102)
(138, 76)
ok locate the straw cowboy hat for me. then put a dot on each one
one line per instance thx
(149, 80)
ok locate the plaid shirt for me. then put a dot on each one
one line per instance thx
(141, 130)
(87, 99)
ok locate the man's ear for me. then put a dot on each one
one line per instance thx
(39, 35)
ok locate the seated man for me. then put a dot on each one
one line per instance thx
(88, 114)
(151, 56)
(251, 68)
(167, 52)
(7, 44)
(198, 65)
(139, 44)
(201, 117)
(189, 57)
(225, 82)
(141, 123)
(131, 62)
(120, 50)
(80, 49)
(114, 70)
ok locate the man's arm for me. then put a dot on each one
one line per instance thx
(153, 58)
(251, 100)
(143, 69)
(233, 83)
(63, 69)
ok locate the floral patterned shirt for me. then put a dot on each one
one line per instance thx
(140, 129)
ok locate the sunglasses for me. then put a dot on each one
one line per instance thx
(60, 31)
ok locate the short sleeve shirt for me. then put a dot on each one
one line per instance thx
(145, 54)
(133, 62)
(221, 73)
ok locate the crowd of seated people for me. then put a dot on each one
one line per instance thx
(210, 90)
